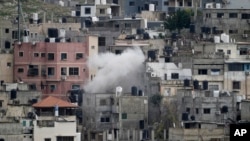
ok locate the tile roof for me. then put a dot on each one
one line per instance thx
(51, 101)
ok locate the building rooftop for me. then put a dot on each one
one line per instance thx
(51, 101)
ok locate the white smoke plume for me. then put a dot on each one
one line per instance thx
(116, 70)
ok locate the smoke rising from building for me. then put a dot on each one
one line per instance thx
(124, 70)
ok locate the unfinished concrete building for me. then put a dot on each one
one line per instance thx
(115, 115)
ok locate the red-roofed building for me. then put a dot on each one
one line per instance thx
(55, 120)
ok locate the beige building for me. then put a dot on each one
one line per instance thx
(6, 67)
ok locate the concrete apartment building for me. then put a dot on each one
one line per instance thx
(54, 68)
(228, 16)
(112, 116)
(16, 111)
(55, 120)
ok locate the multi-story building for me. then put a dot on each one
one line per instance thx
(113, 115)
(16, 111)
(54, 68)
(227, 16)
(55, 120)
(6, 67)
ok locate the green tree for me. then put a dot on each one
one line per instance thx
(179, 20)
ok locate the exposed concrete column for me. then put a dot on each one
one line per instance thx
(113, 135)
(164, 134)
(104, 136)
(134, 134)
(89, 135)
(117, 135)
(183, 3)
(153, 135)
(175, 3)
(128, 133)
(192, 3)
(140, 132)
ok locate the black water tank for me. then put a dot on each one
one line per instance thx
(134, 91)
(139, 31)
(192, 28)
(64, 20)
(34, 100)
(57, 40)
(186, 83)
(2, 82)
(140, 93)
(141, 124)
(46, 40)
(205, 85)
(78, 13)
(31, 21)
(214, 30)
(13, 94)
(196, 84)
(167, 59)
(203, 29)
(184, 116)
(39, 21)
(52, 32)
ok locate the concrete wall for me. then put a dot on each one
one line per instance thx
(245, 109)
(176, 134)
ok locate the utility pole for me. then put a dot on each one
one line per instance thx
(18, 11)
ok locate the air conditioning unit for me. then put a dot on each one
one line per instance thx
(63, 77)
(217, 112)
(153, 74)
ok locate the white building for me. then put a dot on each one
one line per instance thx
(55, 121)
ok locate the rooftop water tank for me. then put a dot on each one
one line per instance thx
(151, 7)
(104, 2)
(97, 2)
(35, 16)
(218, 5)
(216, 39)
(109, 11)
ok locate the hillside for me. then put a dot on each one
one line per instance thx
(8, 9)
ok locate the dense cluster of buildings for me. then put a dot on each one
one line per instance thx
(193, 86)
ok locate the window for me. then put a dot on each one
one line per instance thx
(233, 15)
(73, 71)
(20, 54)
(208, 15)
(64, 138)
(105, 119)
(231, 31)
(79, 55)
(188, 110)
(33, 70)
(220, 50)
(36, 54)
(8, 64)
(124, 115)
(180, 3)
(202, 71)
(197, 110)
(101, 41)
(174, 75)
(215, 71)
(1, 103)
(236, 84)
(51, 71)
(64, 71)
(52, 87)
(31, 35)
(102, 11)
(131, 3)
(75, 86)
(32, 87)
(228, 51)
(127, 25)
(220, 15)
(7, 30)
(20, 70)
(92, 47)
(63, 56)
(245, 16)
(50, 56)
(155, 3)
(14, 34)
(87, 10)
(24, 123)
(189, 4)
(103, 102)
(206, 111)
(43, 54)
(213, 87)
(235, 67)
(47, 139)
(166, 3)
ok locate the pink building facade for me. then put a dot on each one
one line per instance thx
(53, 68)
